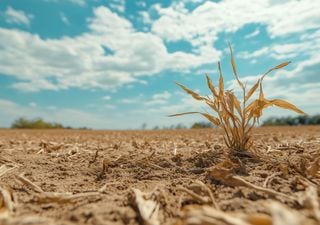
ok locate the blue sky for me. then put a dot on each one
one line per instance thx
(111, 64)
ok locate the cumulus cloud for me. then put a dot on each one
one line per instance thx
(203, 24)
(305, 47)
(81, 61)
(118, 5)
(14, 16)
(158, 99)
(53, 64)
(107, 97)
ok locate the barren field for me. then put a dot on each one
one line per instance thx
(158, 177)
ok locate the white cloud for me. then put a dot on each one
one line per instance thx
(305, 47)
(164, 95)
(255, 54)
(146, 19)
(132, 100)
(33, 104)
(14, 16)
(158, 99)
(107, 97)
(203, 72)
(202, 25)
(77, 2)
(53, 64)
(118, 5)
(253, 34)
(64, 19)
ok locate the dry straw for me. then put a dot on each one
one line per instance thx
(236, 117)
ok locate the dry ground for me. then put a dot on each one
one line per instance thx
(94, 177)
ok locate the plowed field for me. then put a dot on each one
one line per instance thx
(158, 177)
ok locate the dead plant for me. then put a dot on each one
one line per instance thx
(237, 117)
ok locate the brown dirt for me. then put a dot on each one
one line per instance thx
(84, 161)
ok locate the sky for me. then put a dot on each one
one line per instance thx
(111, 64)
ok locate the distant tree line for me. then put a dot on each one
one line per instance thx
(197, 125)
(38, 123)
(292, 121)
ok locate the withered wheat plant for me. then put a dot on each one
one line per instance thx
(235, 117)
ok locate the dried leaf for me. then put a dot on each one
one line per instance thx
(286, 105)
(234, 67)
(237, 104)
(181, 114)
(281, 65)
(211, 86)
(261, 95)
(212, 119)
(221, 83)
(192, 93)
(252, 90)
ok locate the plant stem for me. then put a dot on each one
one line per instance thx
(243, 118)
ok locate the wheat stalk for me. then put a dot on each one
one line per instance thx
(235, 117)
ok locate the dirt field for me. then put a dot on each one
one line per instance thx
(108, 177)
